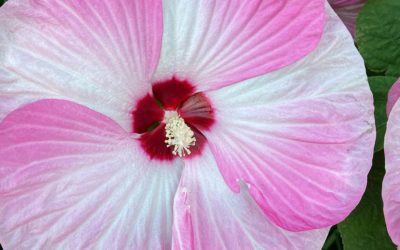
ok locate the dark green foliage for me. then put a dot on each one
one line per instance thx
(378, 36)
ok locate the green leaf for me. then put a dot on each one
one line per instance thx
(380, 86)
(378, 36)
(334, 240)
(365, 227)
(2, 2)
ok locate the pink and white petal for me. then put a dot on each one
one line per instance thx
(208, 215)
(302, 137)
(216, 43)
(71, 178)
(391, 182)
(393, 96)
(98, 53)
(348, 11)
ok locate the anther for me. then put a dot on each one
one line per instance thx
(178, 134)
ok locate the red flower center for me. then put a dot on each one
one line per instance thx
(177, 96)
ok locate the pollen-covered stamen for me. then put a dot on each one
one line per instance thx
(178, 134)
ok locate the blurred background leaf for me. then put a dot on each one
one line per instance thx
(334, 240)
(378, 36)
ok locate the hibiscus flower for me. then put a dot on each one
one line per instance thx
(203, 124)
(348, 11)
(391, 182)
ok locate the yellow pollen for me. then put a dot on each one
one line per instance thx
(178, 134)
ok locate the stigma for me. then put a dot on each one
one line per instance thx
(178, 134)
